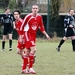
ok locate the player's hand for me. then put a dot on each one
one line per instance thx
(71, 26)
(48, 37)
(21, 39)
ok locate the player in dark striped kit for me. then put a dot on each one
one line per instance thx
(69, 30)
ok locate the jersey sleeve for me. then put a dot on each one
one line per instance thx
(2, 15)
(67, 21)
(41, 27)
(2, 18)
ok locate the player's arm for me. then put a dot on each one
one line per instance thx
(42, 29)
(67, 21)
(14, 25)
(20, 39)
(47, 36)
(72, 25)
(1, 19)
(2, 15)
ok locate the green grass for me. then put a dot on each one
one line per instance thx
(48, 60)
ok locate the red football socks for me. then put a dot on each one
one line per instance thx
(31, 60)
(25, 62)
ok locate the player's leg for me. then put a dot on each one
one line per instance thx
(31, 59)
(60, 44)
(72, 32)
(10, 42)
(27, 54)
(73, 42)
(3, 42)
(28, 60)
(63, 39)
(4, 38)
(30, 44)
(10, 32)
(21, 53)
(25, 65)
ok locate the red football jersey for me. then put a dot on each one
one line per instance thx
(32, 24)
(21, 41)
(18, 25)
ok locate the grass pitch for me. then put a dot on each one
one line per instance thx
(48, 60)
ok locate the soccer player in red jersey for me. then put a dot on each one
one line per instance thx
(17, 25)
(32, 22)
(21, 39)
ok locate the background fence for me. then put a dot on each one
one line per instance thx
(55, 27)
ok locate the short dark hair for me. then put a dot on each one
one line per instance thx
(35, 4)
(70, 9)
(6, 8)
(17, 10)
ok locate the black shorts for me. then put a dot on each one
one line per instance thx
(69, 32)
(8, 30)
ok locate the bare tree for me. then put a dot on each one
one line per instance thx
(66, 5)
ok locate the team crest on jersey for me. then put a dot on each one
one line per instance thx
(34, 25)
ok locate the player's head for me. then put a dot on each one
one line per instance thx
(7, 10)
(71, 11)
(35, 9)
(17, 14)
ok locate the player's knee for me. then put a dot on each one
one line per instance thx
(73, 37)
(65, 38)
(4, 39)
(33, 51)
(18, 52)
(10, 38)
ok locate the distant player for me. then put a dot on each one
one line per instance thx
(69, 24)
(7, 21)
(21, 40)
(32, 22)
(17, 25)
